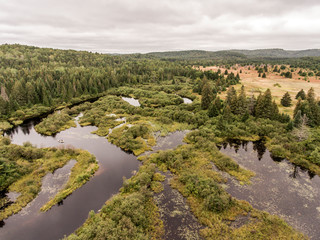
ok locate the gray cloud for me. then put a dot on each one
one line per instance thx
(148, 25)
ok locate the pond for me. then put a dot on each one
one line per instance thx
(279, 187)
(70, 214)
(132, 101)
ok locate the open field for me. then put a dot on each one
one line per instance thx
(278, 85)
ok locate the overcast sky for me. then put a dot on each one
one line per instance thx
(126, 26)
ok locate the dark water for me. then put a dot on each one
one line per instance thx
(178, 220)
(132, 101)
(171, 141)
(66, 217)
(71, 213)
(279, 187)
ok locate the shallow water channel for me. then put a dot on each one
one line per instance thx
(71, 213)
(279, 187)
(66, 217)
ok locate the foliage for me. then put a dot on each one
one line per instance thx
(55, 123)
(286, 100)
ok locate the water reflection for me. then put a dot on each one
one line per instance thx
(279, 186)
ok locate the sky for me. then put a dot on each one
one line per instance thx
(129, 26)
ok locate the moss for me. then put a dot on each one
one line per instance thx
(4, 125)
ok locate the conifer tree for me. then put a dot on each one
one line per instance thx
(311, 95)
(3, 106)
(251, 105)
(213, 110)
(227, 114)
(19, 93)
(264, 75)
(312, 109)
(301, 94)
(206, 95)
(238, 77)
(286, 100)
(242, 105)
(232, 99)
(265, 108)
(299, 107)
(297, 121)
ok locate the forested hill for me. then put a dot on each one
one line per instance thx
(239, 54)
(32, 75)
(197, 54)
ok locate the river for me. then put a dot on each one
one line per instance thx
(65, 218)
(62, 220)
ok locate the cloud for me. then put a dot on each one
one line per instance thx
(148, 25)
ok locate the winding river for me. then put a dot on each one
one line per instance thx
(65, 218)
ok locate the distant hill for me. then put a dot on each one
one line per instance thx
(279, 53)
(196, 54)
(240, 54)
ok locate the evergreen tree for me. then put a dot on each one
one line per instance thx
(311, 109)
(275, 111)
(31, 94)
(297, 121)
(242, 105)
(232, 99)
(206, 95)
(251, 105)
(238, 77)
(3, 106)
(265, 108)
(299, 107)
(227, 114)
(264, 75)
(290, 126)
(311, 95)
(217, 102)
(213, 110)
(301, 94)
(286, 100)
(19, 93)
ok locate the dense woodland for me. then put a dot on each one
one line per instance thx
(40, 80)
